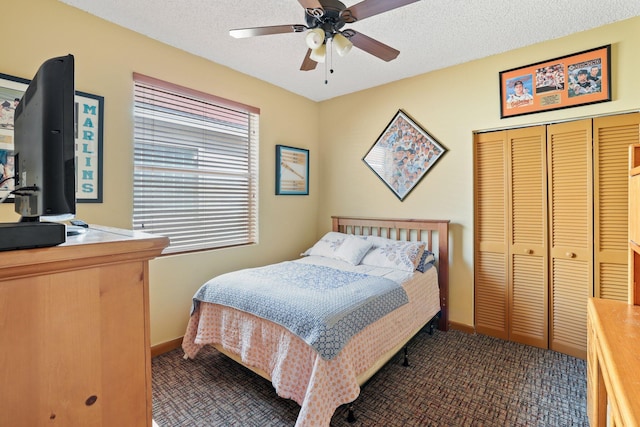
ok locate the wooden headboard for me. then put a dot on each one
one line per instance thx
(410, 230)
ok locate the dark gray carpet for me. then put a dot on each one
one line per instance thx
(455, 379)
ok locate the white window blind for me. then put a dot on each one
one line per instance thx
(195, 167)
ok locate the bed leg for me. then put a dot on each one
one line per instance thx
(406, 356)
(350, 415)
(433, 324)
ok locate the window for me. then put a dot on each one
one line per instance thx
(195, 167)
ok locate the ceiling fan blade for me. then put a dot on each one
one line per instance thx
(310, 4)
(372, 46)
(367, 8)
(265, 31)
(312, 7)
(308, 64)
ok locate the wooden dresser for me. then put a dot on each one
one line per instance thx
(74, 331)
(613, 363)
(613, 334)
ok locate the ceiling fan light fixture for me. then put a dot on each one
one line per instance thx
(315, 38)
(343, 45)
(319, 54)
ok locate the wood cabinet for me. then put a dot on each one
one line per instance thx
(74, 331)
(550, 228)
(613, 364)
(634, 226)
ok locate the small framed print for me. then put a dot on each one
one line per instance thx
(292, 171)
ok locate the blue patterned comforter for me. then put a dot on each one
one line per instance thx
(322, 305)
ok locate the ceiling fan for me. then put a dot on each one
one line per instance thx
(325, 20)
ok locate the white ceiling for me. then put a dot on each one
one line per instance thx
(430, 34)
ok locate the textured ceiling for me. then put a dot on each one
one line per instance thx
(430, 35)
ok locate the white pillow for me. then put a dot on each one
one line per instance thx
(395, 254)
(353, 249)
(378, 241)
(327, 245)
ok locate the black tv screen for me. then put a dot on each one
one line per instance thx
(44, 144)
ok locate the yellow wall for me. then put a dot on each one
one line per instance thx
(106, 55)
(450, 104)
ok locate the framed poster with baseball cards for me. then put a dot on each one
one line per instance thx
(568, 81)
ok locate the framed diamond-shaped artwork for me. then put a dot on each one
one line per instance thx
(403, 154)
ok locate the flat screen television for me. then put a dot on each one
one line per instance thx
(44, 153)
(44, 144)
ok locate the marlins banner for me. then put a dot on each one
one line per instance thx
(89, 122)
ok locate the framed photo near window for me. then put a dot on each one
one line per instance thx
(292, 171)
(568, 81)
(89, 124)
(403, 154)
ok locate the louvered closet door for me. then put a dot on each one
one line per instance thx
(528, 255)
(491, 244)
(570, 163)
(612, 137)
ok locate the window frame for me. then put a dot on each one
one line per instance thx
(213, 138)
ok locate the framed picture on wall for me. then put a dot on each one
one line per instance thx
(292, 171)
(568, 81)
(11, 90)
(89, 124)
(403, 154)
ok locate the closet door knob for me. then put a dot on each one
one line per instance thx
(528, 251)
(571, 255)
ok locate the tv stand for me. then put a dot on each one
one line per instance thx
(74, 331)
(28, 235)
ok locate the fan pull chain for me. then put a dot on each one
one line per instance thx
(326, 80)
(330, 48)
(331, 57)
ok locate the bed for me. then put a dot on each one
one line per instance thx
(322, 377)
